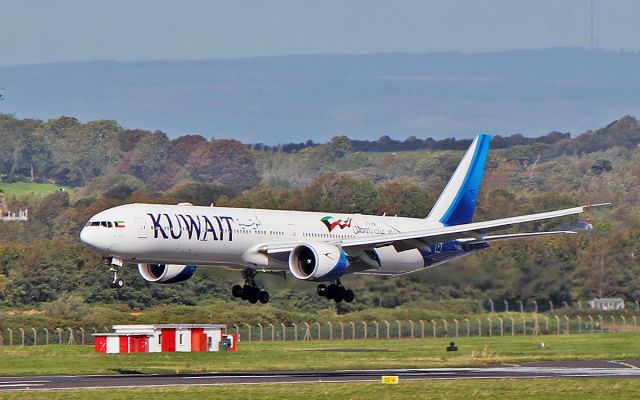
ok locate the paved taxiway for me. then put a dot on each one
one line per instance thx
(582, 369)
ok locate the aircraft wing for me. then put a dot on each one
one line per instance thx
(476, 230)
(467, 233)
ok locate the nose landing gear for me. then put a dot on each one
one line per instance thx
(250, 291)
(116, 265)
(336, 291)
(117, 283)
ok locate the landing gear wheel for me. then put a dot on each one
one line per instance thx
(349, 295)
(332, 291)
(339, 296)
(236, 291)
(246, 291)
(250, 291)
(264, 297)
(117, 284)
(254, 296)
(116, 265)
(336, 292)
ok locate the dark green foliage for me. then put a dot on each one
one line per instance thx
(68, 308)
(199, 194)
(119, 192)
(50, 206)
(527, 153)
(600, 166)
(223, 162)
(79, 152)
(334, 192)
(624, 132)
(407, 200)
(148, 159)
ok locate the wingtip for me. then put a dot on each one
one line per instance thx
(588, 206)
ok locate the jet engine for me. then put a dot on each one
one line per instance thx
(166, 273)
(317, 262)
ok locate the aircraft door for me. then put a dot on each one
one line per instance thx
(291, 230)
(142, 228)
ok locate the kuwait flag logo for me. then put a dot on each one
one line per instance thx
(119, 224)
(331, 222)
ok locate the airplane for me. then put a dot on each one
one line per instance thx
(168, 241)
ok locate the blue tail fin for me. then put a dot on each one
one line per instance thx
(457, 202)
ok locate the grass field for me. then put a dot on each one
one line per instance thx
(406, 353)
(566, 389)
(22, 188)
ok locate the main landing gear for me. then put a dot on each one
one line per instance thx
(250, 291)
(336, 291)
(116, 265)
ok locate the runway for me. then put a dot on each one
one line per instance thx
(578, 369)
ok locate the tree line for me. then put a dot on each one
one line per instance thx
(386, 143)
(68, 152)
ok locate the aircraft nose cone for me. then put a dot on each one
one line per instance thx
(89, 239)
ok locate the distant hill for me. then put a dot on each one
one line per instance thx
(294, 98)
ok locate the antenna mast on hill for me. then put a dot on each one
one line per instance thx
(591, 30)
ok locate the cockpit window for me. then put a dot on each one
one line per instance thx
(106, 224)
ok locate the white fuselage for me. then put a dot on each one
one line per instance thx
(233, 237)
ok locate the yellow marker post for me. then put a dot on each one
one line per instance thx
(389, 380)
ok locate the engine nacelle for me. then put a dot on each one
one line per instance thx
(166, 273)
(317, 262)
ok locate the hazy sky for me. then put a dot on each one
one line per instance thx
(38, 31)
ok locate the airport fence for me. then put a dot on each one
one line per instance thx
(519, 325)
(542, 306)
(490, 325)
(29, 336)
